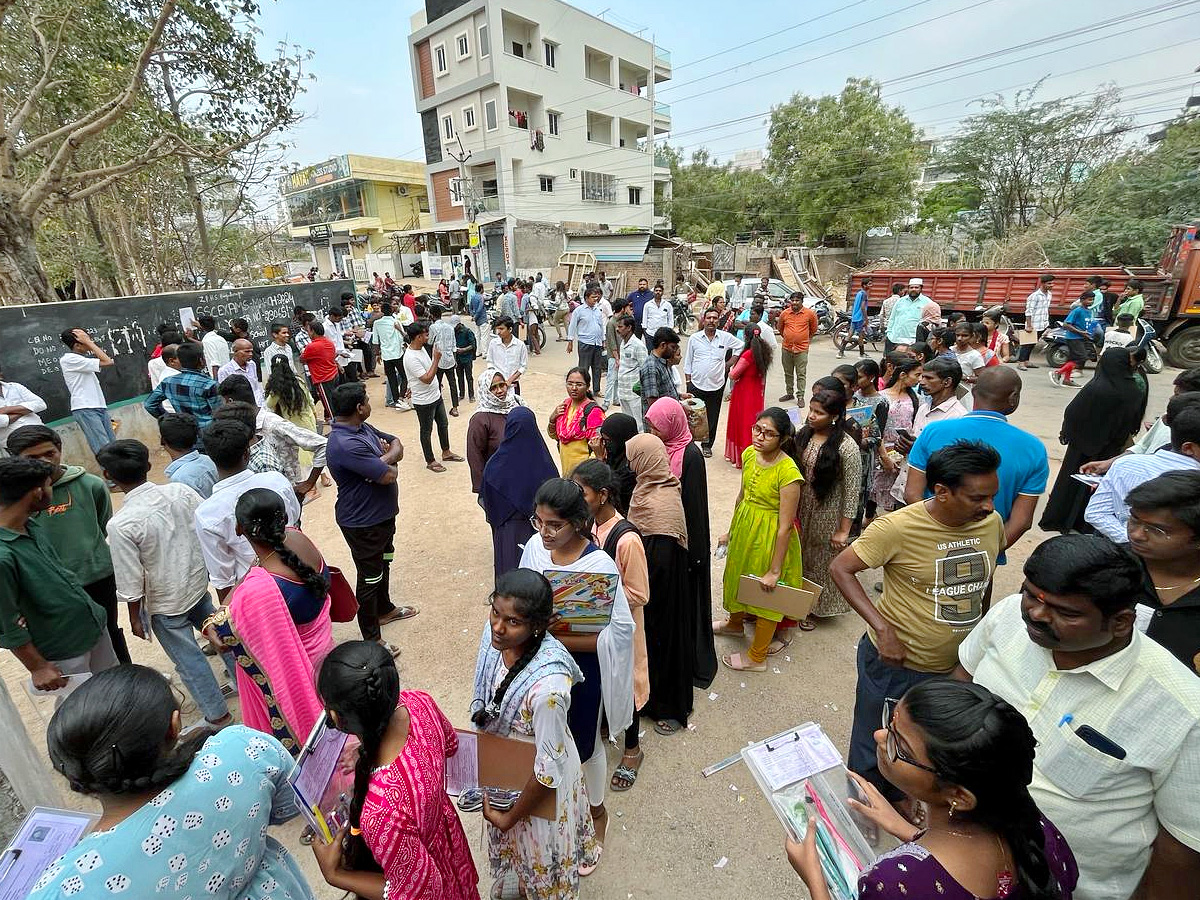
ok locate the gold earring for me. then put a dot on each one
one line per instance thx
(953, 804)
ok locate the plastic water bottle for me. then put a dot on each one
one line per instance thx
(722, 551)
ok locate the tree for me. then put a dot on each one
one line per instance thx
(941, 206)
(1031, 159)
(843, 163)
(712, 200)
(93, 92)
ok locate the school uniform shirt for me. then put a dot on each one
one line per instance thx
(1142, 699)
(83, 383)
(934, 580)
(416, 364)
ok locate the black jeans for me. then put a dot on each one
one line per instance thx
(1025, 351)
(592, 358)
(371, 548)
(713, 401)
(464, 373)
(453, 386)
(394, 370)
(104, 592)
(427, 414)
(368, 356)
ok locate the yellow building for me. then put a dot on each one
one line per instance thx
(349, 208)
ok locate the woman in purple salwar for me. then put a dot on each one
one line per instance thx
(968, 756)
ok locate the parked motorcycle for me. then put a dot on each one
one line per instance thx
(683, 314)
(417, 269)
(826, 316)
(873, 333)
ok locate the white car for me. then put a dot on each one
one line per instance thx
(777, 291)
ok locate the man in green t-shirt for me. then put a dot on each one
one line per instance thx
(1132, 301)
(937, 557)
(46, 618)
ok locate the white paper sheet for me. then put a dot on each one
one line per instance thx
(45, 835)
(462, 769)
(187, 316)
(795, 756)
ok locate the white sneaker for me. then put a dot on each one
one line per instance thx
(401, 405)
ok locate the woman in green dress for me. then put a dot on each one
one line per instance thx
(762, 538)
(288, 396)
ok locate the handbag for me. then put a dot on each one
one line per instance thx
(343, 605)
(697, 417)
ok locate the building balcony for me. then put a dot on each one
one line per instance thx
(662, 65)
(662, 118)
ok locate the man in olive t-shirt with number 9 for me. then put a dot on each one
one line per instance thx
(937, 557)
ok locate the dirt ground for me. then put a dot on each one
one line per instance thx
(669, 834)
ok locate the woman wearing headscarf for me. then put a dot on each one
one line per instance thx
(668, 421)
(508, 485)
(486, 428)
(610, 447)
(1097, 424)
(657, 510)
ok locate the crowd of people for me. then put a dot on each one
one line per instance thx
(1044, 745)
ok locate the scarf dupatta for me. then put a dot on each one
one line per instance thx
(551, 658)
(657, 504)
(488, 403)
(669, 418)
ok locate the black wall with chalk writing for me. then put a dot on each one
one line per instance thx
(126, 329)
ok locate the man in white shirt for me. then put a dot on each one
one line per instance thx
(441, 335)
(227, 554)
(334, 331)
(540, 290)
(1107, 511)
(242, 364)
(160, 570)
(606, 288)
(656, 314)
(506, 354)
(739, 293)
(706, 365)
(19, 407)
(422, 371)
(216, 347)
(631, 355)
(79, 367)
(281, 333)
(1037, 319)
(1115, 715)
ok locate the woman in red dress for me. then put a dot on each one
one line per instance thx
(749, 377)
(401, 820)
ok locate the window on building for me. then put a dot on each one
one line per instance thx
(423, 203)
(553, 121)
(546, 184)
(462, 45)
(518, 49)
(635, 196)
(598, 187)
(439, 59)
(468, 118)
(549, 49)
(489, 116)
(485, 46)
(457, 191)
(448, 128)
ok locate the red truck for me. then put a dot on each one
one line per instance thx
(1172, 291)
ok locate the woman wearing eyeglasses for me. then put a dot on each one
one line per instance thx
(510, 479)
(968, 756)
(575, 422)
(564, 524)
(762, 538)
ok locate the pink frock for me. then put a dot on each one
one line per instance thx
(408, 821)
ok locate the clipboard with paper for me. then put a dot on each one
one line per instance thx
(486, 760)
(323, 790)
(801, 774)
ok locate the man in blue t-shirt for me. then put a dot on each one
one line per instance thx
(858, 321)
(1078, 327)
(1024, 468)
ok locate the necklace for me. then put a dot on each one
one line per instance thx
(1171, 587)
(1004, 877)
(262, 559)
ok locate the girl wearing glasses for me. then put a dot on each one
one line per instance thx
(968, 756)
(575, 422)
(523, 684)
(564, 523)
(762, 538)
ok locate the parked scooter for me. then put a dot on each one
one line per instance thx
(1055, 341)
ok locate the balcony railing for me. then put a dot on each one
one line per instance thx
(662, 56)
(662, 109)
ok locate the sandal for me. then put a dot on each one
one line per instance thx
(668, 726)
(778, 645)
(390, 648)
(806, 624)
(435, 467)
(453, 457)
(740, 663)
(400, 612)
(625, 775)
(722, 626)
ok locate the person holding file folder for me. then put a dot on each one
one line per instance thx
(1115, 715)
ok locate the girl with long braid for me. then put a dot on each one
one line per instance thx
(523, 682)
(401, 819)
(173, 812)
(968, 756)
(276, 622)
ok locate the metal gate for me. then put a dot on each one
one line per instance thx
(722, 256)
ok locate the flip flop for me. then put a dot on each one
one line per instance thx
(625, 775)
(435, 467)
(777, 646)
(806, 624)
(740, 663)
(390, 648)
(668, 727)
(721, 626)
(453, 457)
(400, 612)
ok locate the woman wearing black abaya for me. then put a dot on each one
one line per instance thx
(610, 447)
(1097, 424)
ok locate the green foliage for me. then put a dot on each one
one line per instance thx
(843, 163)
(712, 200)
(1031, 160)
(940, 206)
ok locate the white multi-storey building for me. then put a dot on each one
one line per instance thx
(556, 110)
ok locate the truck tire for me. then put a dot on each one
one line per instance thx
(1056, 355)
(1183, 348)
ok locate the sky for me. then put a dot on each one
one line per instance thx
(734, 60)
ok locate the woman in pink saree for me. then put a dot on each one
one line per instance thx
(277, 623)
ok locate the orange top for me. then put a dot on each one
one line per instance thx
(796, 329)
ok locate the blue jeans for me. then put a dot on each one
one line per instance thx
(96, 427)
(175, 635)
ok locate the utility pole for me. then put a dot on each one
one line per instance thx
(650, 148)
(470, 200)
